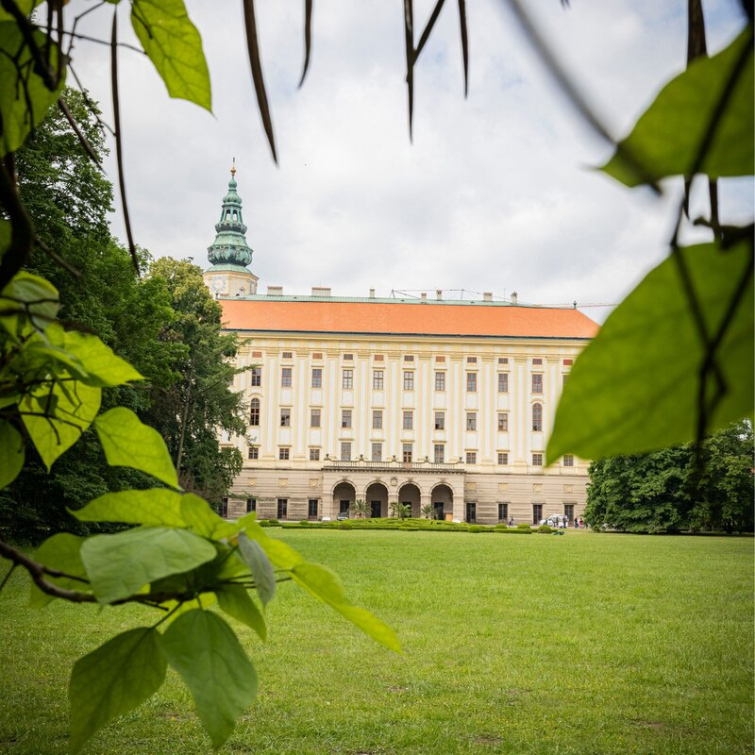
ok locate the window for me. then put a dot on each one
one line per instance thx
(503, 458)
(284, 454)
(471, 420)
(256, 377)
(286, 417)
(440, 381)
(407, 453)
(315, 416)
(346, 418)
(251, 505)
(440, 359)
(568, 362)
(503, 512)
(503, 360)
(379, 358)
(377, 451)
(408, 420)
(256, 355)
(314, 454)
(503, 422)
(377, 419)
(224, 508)
(537, 383)
(537, 460)
(568, 460)
(348, 379)
(282, 508)
(317, 377)
(317, 355)
(254, 452)
(503, 382)
(537, 360)
(471, 457)
(312, 507)
(408, 357)
(285, 377)
(348, 357)
(346, 450)
(377, 380)
(408, 380)
(537, 513)
(439, 453)
(254, 412)
(537, 418)
(287, 354)
(471, 382)
(471, 360)
(440, 420)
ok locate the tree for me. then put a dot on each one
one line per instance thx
(429, 511)
(400, 510)
(360, 508)
(657, 492)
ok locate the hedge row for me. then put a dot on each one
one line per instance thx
(403, 525)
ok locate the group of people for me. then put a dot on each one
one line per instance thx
(562, 522)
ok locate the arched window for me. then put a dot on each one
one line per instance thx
(537, 417)
(254, 413)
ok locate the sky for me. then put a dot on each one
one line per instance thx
(496, 192)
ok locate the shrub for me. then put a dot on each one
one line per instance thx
(517, 531)
(545, 529)
(345, 526)
(474, 528)
(523, 526)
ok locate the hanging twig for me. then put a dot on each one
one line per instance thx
(307, 37)
(79, 133)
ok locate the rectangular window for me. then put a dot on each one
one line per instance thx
(285, 377)
(537, 383)
(471, 421)
(312, 507)
(568, 460)
(503, 512)
(503, 360)
(537, 360)
(282, 508)
(471, 360)
(503, 458)
(317, 377)
(377, 451)
(251, 505)
(315, 415)
(254, 452)
(537, 513)
(440, 381)
(284, 454)
(377, 380)
(440, 359)
(378, 358)
(254, 412)
(568, 362)
(346, 418)
(471, 382)
(439, 453)
(408, 420)
(348, 357)
(537, 418)
(286, 417)
(345, 450)
(256, 377)
(408, 380)
(503, 422)
(537, 460)
(256, 355)
(348, 379)
(224, 508)
(408, 357)
(377, 419)
(314, 454)
(407, 453)
(440, 420)
(471, 457)
(503, 382)
(288, 354)
(317, 355)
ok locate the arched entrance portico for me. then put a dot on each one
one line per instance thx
(376, 496)
(442, 499)
(344, 494)
(409, 494)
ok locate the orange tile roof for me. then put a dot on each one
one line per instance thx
(399, 318)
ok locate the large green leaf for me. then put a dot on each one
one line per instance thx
(635, 387)
(260, 566)
(57, 414)
(25, 6)
(236, 602)
(174, 46)
(208, 656)
(103, 367)
(28, 295)
(63, 553)
(24, 98)
(667, 137)
(113, 680)
(200, 517)
(153, 508)
(120, 565)
(11, 453)
(128, 442)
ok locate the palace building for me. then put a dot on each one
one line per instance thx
(432, 403)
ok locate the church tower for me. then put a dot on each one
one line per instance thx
(229, 254)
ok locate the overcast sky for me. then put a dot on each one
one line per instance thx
(496, 193)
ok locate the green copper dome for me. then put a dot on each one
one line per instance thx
(230, 247)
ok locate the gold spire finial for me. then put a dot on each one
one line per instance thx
(233, 168)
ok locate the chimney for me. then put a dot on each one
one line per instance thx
(438, 293)
(320, 291)
(487, 296)
(423, 296)
(372, 293)
(513, 298)
(275, 290)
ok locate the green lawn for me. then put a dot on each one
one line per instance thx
(590, 644)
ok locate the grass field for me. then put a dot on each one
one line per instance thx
(590, 644)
